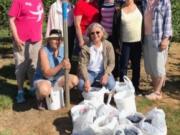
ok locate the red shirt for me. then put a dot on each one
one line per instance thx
(89, 12)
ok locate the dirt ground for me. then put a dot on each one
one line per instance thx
(25, 119)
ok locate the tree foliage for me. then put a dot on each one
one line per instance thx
(176, 19)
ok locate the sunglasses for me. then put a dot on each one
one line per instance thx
(96, 32)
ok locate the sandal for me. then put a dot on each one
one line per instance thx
(154, 96)
(158, 95)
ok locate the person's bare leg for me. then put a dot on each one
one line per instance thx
(157, 86)
(43, 89)
(73, 81)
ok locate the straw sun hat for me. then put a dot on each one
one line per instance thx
(55, 33)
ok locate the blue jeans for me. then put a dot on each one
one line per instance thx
(94, 80)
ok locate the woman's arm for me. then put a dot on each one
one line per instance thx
(167, 28)
(13, 28)
(50, 21)
(110, 59)
(83, 63)
(77, 22)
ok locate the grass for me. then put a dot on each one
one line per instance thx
(172, 113)
(6, 132)
(5, 102)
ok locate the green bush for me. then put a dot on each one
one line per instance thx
(4, 5)
(176, 20)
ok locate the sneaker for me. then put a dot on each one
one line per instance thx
(20, 97)
(32, 92)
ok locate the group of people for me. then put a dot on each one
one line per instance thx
(107, 35)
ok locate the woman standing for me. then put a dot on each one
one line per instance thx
(96, 60)
(55, 21)
(157, 35)
(85, 13)
(26, 19)
(127, 38)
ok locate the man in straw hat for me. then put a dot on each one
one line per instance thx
(51, 65)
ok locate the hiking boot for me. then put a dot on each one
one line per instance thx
(20, 97)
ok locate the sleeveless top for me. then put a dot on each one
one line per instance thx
(53, 61)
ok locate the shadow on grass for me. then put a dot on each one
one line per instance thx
(8, 72)
(63, 125)
(75, 96)
(29, 104)
(7, 77)
(6, 49)
(172, 87)
(8, 88)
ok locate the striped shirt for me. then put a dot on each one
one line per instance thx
(107, 12)
(161, 20)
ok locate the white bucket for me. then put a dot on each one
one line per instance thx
(55, 100)
(125, 102)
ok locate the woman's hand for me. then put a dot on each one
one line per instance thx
(104, 79)
(87, 86)
(66, 64)
(118, 51)
(164, 44)
(19, 44)
(81, 43)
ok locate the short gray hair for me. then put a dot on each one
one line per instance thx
(93, 25)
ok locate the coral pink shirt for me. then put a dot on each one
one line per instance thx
(29, 18)
(89, 12)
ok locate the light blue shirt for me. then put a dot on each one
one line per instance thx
(54, 61)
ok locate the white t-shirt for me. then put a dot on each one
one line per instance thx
(96, 59)
(131, 26)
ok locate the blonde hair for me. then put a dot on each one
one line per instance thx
(94, 25)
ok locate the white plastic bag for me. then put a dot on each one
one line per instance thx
(136, 118)
(83, 116)
(124, 86)
(154, 123)
(127, 130)
(125, 102)
(107, 109)
(96, 95)
(104, 125)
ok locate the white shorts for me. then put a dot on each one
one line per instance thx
(154, 60)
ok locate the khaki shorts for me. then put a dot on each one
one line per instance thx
(154, 60)
(26, 61)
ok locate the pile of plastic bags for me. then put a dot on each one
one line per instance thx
(94, 117)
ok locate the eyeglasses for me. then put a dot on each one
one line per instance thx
(96, 32)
